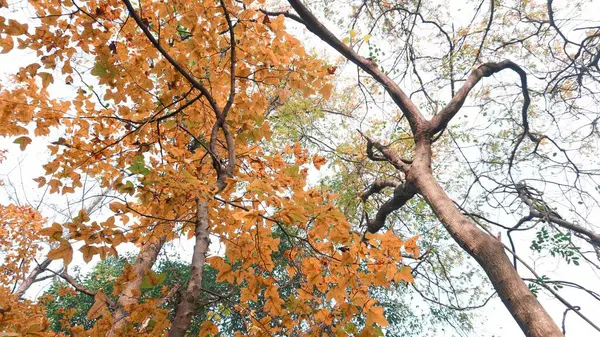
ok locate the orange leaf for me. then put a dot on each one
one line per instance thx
(318, 161)
(41, 181)
(411, 246)
(64, 252)
(100, 305)
(326, 90)
(55, 231)
(375, 316)
(23, 141)
(208, 329)
(88, 252)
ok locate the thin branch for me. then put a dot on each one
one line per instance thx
(414, 117)
(171, 60)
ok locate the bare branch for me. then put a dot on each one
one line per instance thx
(32, 278)
(441, 120)
(414, 117)
(539, 209)
(402, 194)
(377, 187)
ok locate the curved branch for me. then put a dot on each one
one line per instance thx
(412, 113)
(388, 155)
(377, 187)
(402, 194)
(539, 209)
(441, 120)
(171, 60)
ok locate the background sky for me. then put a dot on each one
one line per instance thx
(21, 167)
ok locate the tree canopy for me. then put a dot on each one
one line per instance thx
(428, 151)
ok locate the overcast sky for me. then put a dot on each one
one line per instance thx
(22, 167)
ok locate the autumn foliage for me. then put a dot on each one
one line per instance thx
(168, 108)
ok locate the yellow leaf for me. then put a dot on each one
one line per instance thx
(259, 185)
(367, 37)
(249, 216)
(170, 124)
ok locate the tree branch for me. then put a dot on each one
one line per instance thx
(539, 209)
(32, 278)
(402, 194)
(287, 14)
(441, 120)
(388, 154)
(377, 187)
(171, 60)
(414, 117)
(190, 298)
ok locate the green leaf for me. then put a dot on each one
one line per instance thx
(153, 279)
(104, 69)
(170, 124)
(128, 187)
(138, 166)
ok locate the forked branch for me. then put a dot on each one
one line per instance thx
(407, 107)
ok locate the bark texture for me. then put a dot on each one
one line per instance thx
(191, 297)
(130, 295)
(32, 277)
(489, 253)
(485, 249)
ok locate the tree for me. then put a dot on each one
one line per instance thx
(65, 307)
(534, 22)
(186, 147)
(172, 109)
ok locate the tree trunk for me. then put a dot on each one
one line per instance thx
(485, 249)
(130, 295)
(189, 301)
(31, 278)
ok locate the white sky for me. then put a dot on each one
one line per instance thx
(22, 167)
